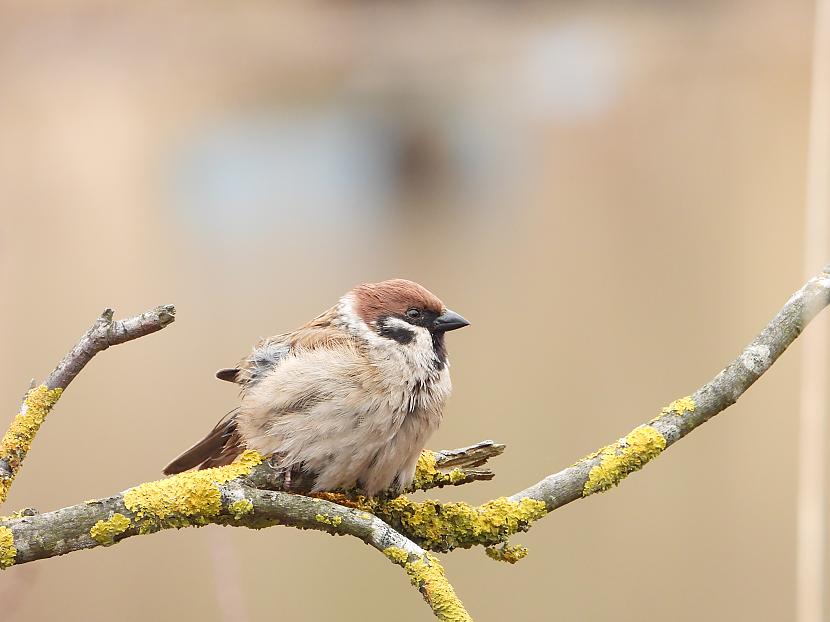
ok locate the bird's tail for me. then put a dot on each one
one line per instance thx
(220, 447)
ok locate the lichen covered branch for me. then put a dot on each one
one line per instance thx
(611, 464)
(435, 469)
(219, 496)
(205, 497)
(39, 400)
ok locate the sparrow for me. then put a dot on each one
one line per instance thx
(350, 398)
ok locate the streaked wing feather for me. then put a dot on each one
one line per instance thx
(221, 446)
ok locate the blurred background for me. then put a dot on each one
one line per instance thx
(611, 192)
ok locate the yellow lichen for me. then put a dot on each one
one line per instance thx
(39, 401)
(507, 553)
(445, 526)
(427, 575)
(396, 554)
(627, 455)
(427, 474)
(456, 475)
(104, 531)
(8, 553)
(328, 520)
(682, 406)
(186, 499)
(241, 508)
(18, 438)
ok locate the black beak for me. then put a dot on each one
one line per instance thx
(448, 320)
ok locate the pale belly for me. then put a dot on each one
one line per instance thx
(347, 424)
(371, 451)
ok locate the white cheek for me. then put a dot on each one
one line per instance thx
(355, 325)
(417, 356)
(420, 349)
(423, 339)
(397, 322)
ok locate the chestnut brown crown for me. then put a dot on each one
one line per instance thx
(393, 297)
(407, 300)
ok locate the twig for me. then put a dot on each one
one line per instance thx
(104, 333)
(40, 400)
(811, 495)
(468, 457)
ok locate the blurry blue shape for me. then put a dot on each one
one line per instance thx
(311, 171)
(491, 153)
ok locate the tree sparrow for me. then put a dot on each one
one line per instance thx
(350, 398)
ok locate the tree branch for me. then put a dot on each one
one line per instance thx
(435, 469)
(242, 494)
(611, 464)
(220, 496)
(198, 498)
(40, 400)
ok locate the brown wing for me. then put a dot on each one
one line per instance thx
(270, 351)
(221, 446)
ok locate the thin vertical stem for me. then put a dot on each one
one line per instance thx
(811, 538)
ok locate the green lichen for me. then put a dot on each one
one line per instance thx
(187, 499)
(507, 553)
(241, 508)
(446, 526)
(627, 455)
(681, 406)
(18, 438)
(8, 553)
(104, 531)
(427, 574)
(328, 520)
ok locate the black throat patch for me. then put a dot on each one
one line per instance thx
(440, 348)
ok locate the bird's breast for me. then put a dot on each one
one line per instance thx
(350, 420)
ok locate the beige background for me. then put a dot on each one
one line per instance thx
(614, 198)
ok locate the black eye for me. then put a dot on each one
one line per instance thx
(413, 314)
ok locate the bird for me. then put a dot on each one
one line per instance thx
(349, 399)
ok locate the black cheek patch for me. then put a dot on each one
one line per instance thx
(398, 333)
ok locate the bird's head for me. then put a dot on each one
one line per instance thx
(404, 312)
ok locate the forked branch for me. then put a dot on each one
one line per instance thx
(39, 400)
